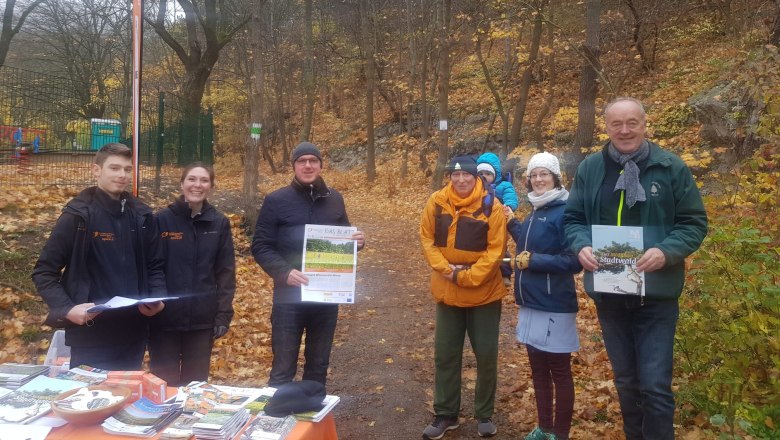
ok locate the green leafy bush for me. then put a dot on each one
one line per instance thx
(728, 340)
(674, 120)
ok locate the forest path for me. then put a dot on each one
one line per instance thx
(382, 360)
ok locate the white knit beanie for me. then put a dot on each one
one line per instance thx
(544, 160)
(484, 166)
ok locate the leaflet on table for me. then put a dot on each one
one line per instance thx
(10, 431)
(120, 301)
(84, 373)
(329, 402)
(13, 375)
(32, 400)
(221, 424)
(330, 262)
(265, 427)
(202, 397)
(617, 249)
(181, 428)
(143, 418)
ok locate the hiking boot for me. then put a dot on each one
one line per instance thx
(486, 428)
(439, 426)
(538, 434)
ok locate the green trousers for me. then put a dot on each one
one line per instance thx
(452, 324)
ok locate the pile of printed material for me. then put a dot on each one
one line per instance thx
(32, 400)
(221, 424)
(12, 375)
(265, 427)
(143, 418)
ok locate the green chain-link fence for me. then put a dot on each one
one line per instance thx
(49, 132)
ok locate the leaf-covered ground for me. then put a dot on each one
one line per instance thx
(382, 361)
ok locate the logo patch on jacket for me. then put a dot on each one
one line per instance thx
(655, 189)
(170, 235)
(103, 236)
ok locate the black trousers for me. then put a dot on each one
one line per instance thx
(288, 323)
(180, 357)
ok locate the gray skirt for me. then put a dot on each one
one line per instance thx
(548, 331)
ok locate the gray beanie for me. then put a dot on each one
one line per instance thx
(305, 148)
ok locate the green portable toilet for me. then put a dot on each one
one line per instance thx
(104, 131)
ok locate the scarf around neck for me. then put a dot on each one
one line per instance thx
(629, 178)
(461, 202)
(547, 197)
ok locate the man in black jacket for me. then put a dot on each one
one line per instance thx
(278, 248)
(103, 245)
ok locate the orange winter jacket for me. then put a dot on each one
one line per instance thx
(456, 231)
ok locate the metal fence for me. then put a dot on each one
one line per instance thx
(49, 131)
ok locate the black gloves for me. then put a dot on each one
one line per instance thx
(219, 331)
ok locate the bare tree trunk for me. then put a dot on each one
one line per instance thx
(127, 93)
(638, 37)
(493, 91)
(370, 71)
(410, 86)
(256, 114)
(525, 81)
(426, 115)
(444, 90)
(586, 108)
(308, 72)
(207, 33)
(8, 31)
(547, 105)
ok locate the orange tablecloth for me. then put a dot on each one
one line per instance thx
(324, 430)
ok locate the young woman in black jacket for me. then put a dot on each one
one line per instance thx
(200, 269)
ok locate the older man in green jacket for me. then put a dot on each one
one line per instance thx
(633, 182)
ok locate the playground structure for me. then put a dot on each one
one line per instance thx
(47, 138)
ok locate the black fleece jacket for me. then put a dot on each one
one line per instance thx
(100, 248)
(200, 268)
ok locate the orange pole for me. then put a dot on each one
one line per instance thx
(137, 34)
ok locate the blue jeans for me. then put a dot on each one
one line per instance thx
(288, 322)
(640, 344)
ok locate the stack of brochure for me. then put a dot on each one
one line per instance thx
(32, 400)
(201, 397)
(220, 424)
(181, 428)
(84, 373)
(265, 427)
(12, 375)
(143, 418)
(267, 393)
(316, 416)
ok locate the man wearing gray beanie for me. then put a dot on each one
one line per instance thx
(306, 148)
(278, 248)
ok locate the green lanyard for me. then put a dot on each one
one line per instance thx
(620, 205)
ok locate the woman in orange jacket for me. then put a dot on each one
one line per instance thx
(463, 234)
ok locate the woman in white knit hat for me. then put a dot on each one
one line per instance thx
(544, 289)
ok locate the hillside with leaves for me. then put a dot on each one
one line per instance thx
(706, 70)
